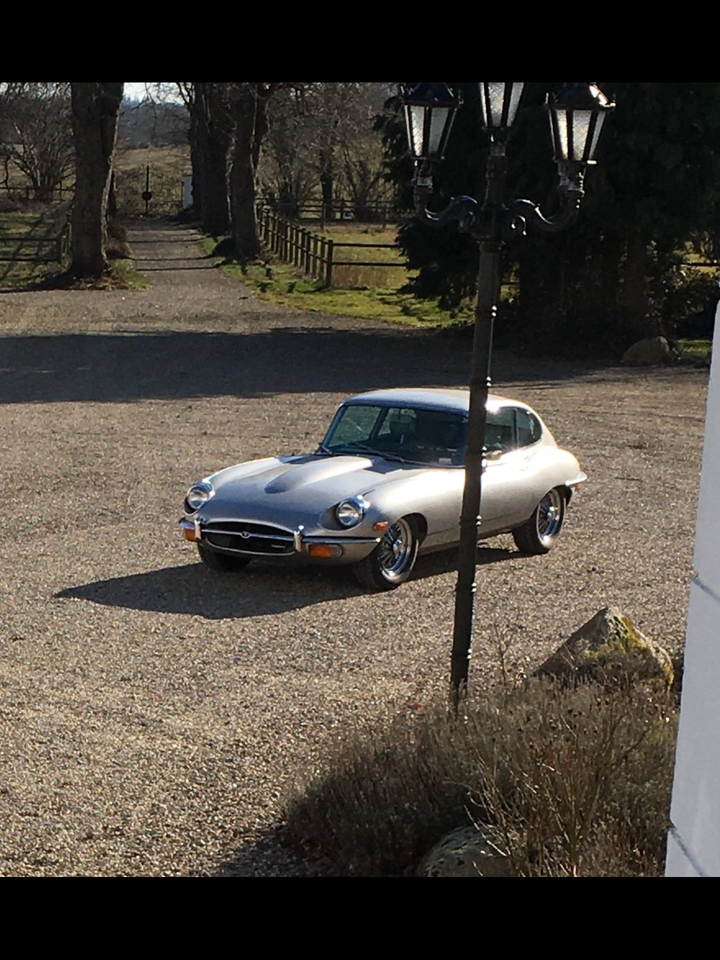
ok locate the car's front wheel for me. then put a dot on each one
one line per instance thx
(391, 562)
(539, 534)
(221, 562)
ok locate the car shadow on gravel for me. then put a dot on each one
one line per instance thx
(261, 590)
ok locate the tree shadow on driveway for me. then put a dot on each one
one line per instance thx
(109, 367)
(261, 590)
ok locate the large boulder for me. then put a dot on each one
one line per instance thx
(609, 648)
(650, 352)
(468, 852)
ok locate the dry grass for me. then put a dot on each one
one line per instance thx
(576, 782)
(390, 277)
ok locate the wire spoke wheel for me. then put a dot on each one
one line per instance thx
(396, 549)
(392, 561)
(550, 516)
(539, 533)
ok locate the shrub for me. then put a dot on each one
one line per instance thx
(577, 782)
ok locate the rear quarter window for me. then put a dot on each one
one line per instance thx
(529, 430)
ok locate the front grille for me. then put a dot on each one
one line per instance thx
(257, 538)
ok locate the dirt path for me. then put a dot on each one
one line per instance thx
(151, 715)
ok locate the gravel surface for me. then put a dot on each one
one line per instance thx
(152, 714)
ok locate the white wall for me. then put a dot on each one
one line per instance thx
(694, 843)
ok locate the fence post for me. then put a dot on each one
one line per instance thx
(329, 268)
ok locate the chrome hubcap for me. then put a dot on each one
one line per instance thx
(396, 550)
(550, 516)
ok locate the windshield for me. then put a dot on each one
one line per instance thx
(407, 434)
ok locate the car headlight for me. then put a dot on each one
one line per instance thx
(350, 513)
(198, 495)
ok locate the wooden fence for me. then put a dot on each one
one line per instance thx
(340, 210)
(314, 254)
(26, 248)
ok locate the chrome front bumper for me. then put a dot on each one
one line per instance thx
(330, 549)
(574, 485)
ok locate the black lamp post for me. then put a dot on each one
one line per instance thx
(577, 114)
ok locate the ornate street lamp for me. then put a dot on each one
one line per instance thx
(499, 103)
(577, 114)
(430, 109)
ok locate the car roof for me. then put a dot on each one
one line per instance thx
(431, 398)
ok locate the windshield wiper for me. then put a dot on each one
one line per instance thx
(353, 447)
(394, 458)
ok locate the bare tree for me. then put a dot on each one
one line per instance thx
(95, 110)
(37, 134)
(326, 132)
(289, 166)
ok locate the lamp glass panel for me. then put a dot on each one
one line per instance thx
(581, 120)
(600, 120)
(517, 89)
(438, 120)
(416, 129)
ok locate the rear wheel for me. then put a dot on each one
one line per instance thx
(391, 562)
(539, 534)
(221, 562)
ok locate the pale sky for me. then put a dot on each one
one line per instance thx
(135, 91)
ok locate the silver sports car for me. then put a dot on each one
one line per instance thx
(386, 484)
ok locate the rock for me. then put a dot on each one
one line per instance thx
(468, 852)
(610, 648)
(648, 353)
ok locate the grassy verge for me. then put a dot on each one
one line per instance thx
(572, 783)
(372, 293)
(27, 232)
(357, 291)
(694, 351)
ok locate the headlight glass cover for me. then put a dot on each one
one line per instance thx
(198, 495)
(350, 513)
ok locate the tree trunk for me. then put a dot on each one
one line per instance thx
(95, 108)
(213, 134)
(248, 111)
(327, 184)
(634, 292)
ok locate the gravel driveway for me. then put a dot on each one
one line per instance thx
(152, 715)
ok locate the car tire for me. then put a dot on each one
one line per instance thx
(538, 535)
(221, 562)
(392, 561)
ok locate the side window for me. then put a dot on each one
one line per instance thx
(528, 429)
(500, 432)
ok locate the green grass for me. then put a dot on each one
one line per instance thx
(29, 232)
(694, 351)
(280, 283)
